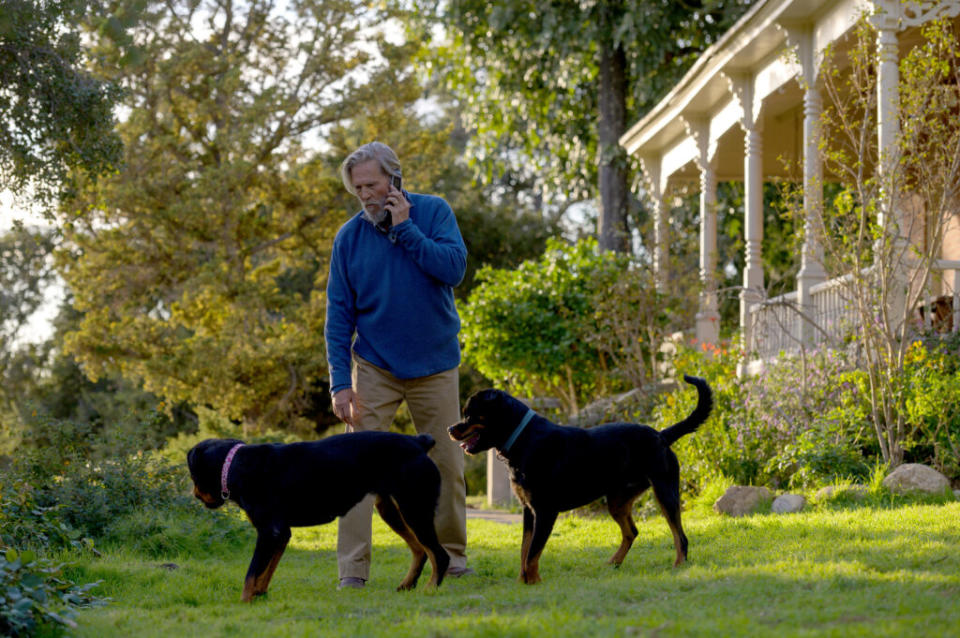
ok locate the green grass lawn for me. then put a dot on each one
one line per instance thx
(855, 571)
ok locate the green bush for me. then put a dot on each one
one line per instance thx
(806, 421)
(778, 428)
(933, 404)
(821, 455)
(215, 426)
(26, 524)
(35, 595)
(575, 324)
(64, 493)
(526, 328)
(718, 449)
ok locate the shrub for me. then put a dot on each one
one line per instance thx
(933, 404)
(779, 428)
(83, 497)
(35, 594)
(718, 449)
(526, 328)
(573, 324)
(806, 420)
(26, 524)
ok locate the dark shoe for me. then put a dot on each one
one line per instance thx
(352, 583)
(457, 572)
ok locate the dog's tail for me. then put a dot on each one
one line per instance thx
(698, 416)
(426, 441)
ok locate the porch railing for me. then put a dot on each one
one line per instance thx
(775, 324)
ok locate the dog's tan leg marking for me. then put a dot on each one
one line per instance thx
(525, 543)
(257, 584)
(678, 545)
(248, 587)
(391, 515)
(542, 525)
(432, 583)
(263, 580)
(531, 575)
(620, 510)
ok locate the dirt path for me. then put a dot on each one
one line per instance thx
(494, 515)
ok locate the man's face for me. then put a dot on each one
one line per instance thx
(371, 185)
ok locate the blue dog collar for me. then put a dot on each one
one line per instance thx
(516, 433)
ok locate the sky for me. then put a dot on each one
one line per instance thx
(40, 324)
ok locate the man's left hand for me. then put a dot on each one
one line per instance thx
(397, 205)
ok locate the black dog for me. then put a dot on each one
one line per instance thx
(302, 484)
(555, 468)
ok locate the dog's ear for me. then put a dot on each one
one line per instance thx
(492, 397)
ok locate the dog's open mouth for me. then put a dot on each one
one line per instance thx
(468, 444)
(467, 436)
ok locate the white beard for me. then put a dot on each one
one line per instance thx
(377, 217)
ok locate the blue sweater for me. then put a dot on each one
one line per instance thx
(395, 293)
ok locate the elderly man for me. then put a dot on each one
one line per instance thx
(391, 336)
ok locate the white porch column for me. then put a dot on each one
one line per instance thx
(651, 169)
(811, 256)
(888, 131)
(753, 211)
(753, 287)
(708, 315)
(888, 97)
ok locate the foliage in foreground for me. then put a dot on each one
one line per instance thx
(36, 595)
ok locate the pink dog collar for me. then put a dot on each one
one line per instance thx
(224, 492)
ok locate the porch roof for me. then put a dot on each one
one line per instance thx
(755, 49)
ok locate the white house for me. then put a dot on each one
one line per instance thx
(739, 110)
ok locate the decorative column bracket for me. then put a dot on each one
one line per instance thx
(915, 14)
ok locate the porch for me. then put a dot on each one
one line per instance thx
(750, 106)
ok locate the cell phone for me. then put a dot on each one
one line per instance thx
(387, 222)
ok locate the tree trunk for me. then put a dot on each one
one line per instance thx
(612, 225)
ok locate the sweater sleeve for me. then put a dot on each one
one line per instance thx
(340, 324)
(441, 253)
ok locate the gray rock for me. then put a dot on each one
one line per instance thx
(914, 477)
(601, 410)
(740, 500)
(788, 503)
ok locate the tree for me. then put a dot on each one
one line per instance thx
(199, 267)
(55, 115)
(26, 270)
(549, 87)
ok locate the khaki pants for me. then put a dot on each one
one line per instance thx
(434, 404)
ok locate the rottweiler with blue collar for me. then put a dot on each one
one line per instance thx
(311, 483)
(556, 468)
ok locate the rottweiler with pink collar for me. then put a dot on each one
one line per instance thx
(312, 483)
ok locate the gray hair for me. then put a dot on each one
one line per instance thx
(379, 151)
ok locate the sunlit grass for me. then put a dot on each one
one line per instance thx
(847, 572)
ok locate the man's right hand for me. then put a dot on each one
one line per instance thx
(345, 406)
